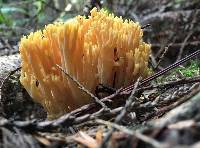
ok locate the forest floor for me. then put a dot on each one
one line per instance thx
(160, 111)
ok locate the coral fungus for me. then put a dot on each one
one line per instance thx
(100, 49)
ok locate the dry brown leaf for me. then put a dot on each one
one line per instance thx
(182, 124)
(99, 136)
(86, 140)
(43, 140)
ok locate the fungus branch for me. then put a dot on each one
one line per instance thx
(100, 49)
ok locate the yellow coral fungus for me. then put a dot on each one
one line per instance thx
(99, 49)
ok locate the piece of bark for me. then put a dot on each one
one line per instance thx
(7, 64)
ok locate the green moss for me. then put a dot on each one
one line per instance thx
(107, 10)
(189, 70)
(193, 69)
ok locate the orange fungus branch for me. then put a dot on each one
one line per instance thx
(99, 49)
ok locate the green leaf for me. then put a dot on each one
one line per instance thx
(4, 19)
(39, 5)
(191, 70)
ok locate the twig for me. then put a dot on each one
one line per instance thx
(162, 56)
(162, 72)
(177, 45)
(104, 89)
(165, 43)
(183, 45)
(81, 87)
(108, 98)
(172, 83)
(6, 44)
(146, 26)
(48, 4)
(77, 116)
(67, 120)
(140, 136)
(153, 63)
(188, 35)
(172, 15)
(161, 111)
(122, 114)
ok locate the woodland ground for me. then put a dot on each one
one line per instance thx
(164, 113)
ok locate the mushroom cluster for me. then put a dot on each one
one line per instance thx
(99, 49)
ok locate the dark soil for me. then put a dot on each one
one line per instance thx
(165, 112)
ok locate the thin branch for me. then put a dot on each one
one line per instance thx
(165, 70)
(81, 87)
(172, 15)
(145, 26)
(183, 45)
(180, 101)
(162, 56)
(122, 114)
(191, 26)
(83, 114)
(140, 136)
(177, 45)
(172, 83)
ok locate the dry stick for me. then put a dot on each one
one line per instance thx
(156, 75)
(122, 113)
(146, 26)
(153, 63)
(70, 118)
(48, 4)
(188, 36)
(165, 44)
(177, 45)
(183, 45)
(140, 136)
(165, 85)
(75, 120)
(6, 44)
(172, 106)
(108, 98)
(162, 56)
(172, 83)
(80, 86)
